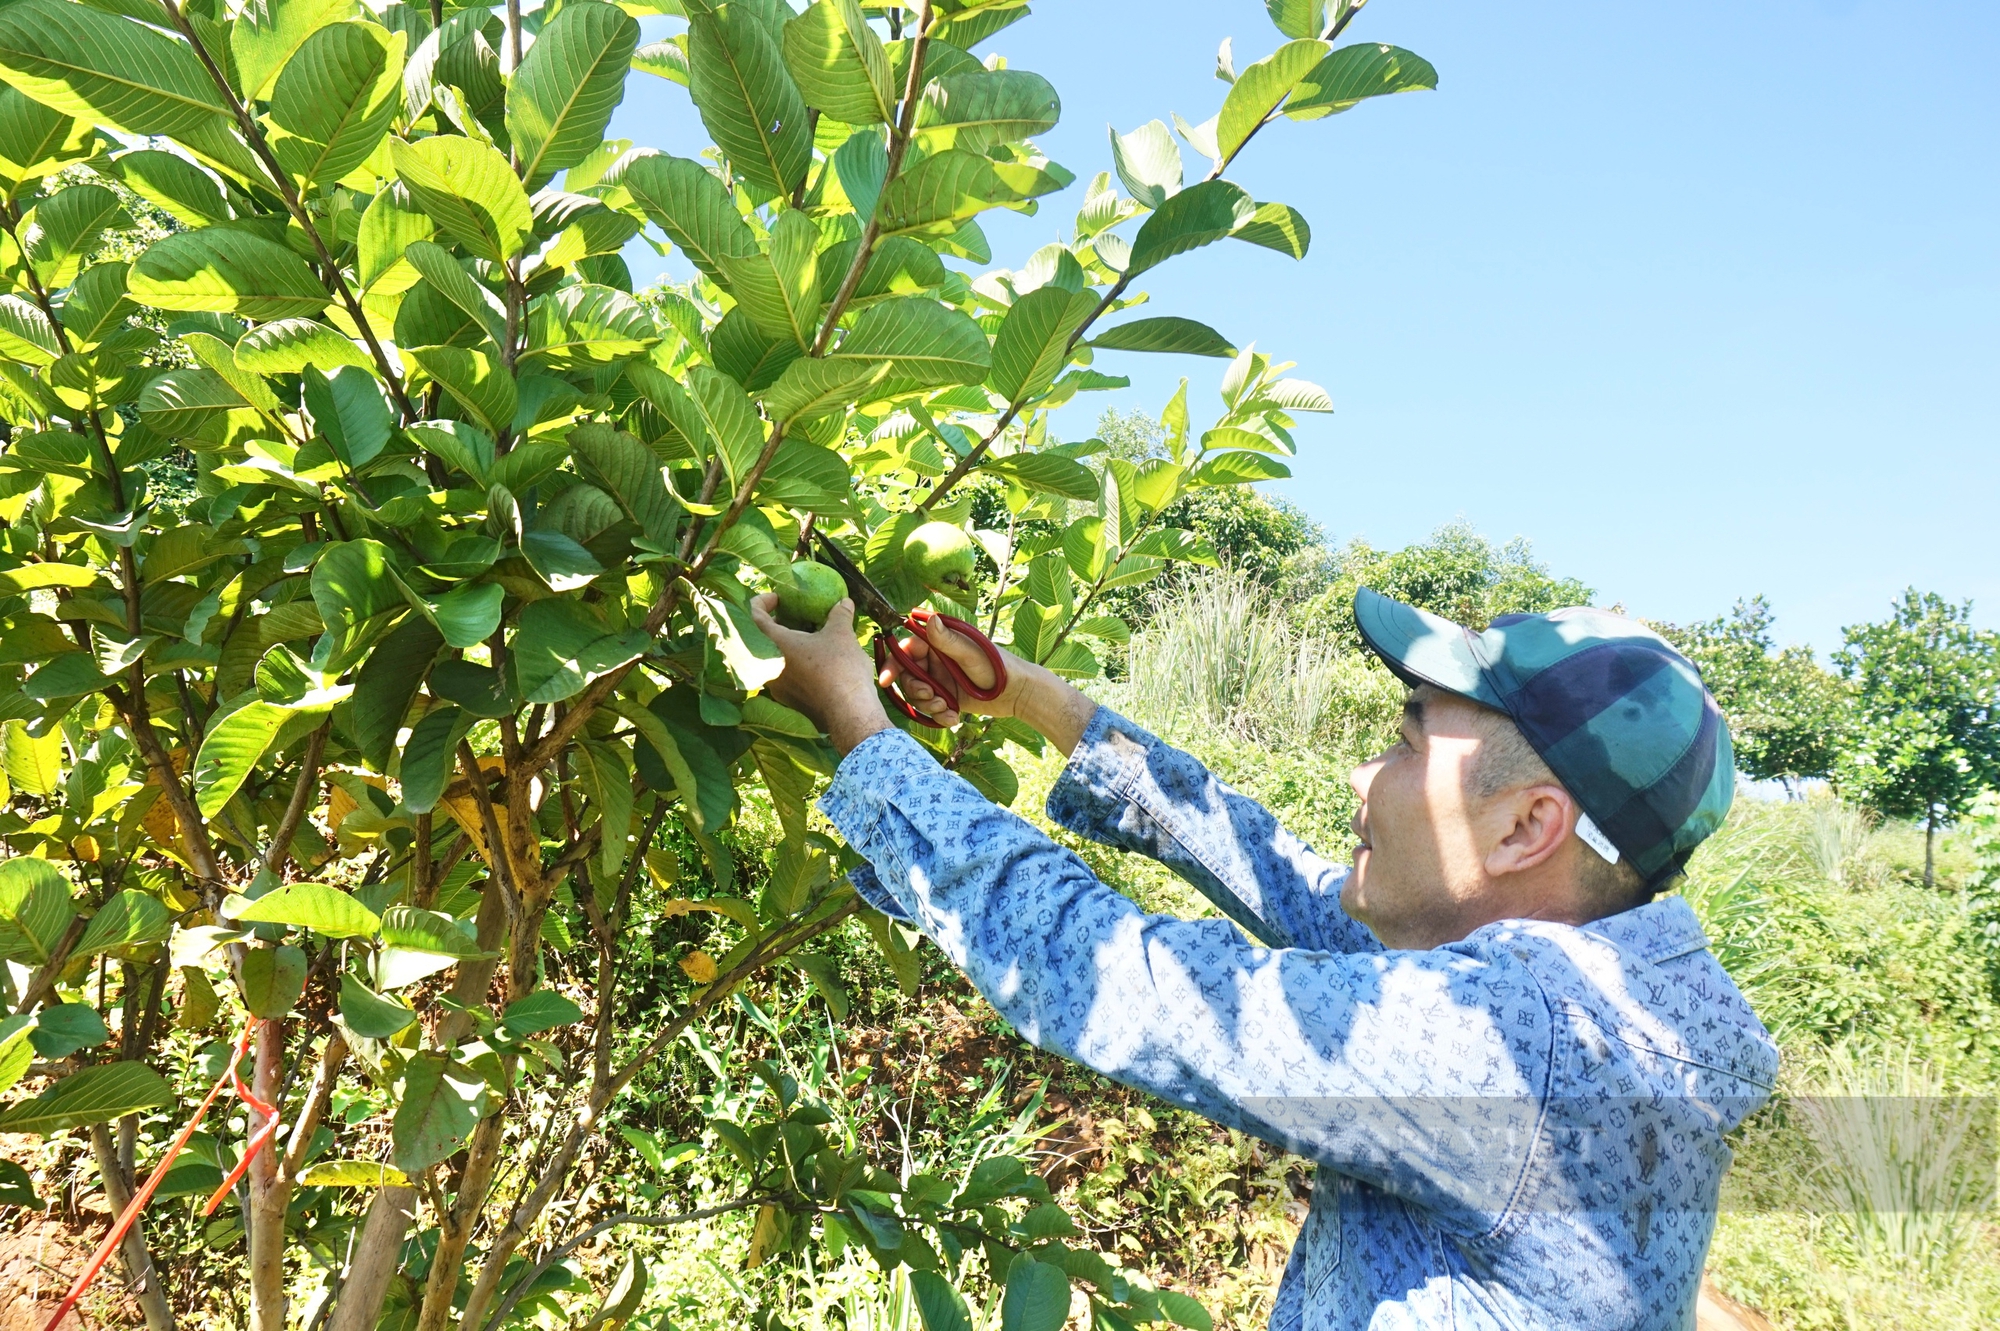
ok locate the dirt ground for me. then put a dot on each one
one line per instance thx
(39, 1257)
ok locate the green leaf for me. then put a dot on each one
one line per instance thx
(26, 333)
(104, 69)
(925, 343)
(230, 749)
(175, 184)
(730, 417)
(60, 231)
(391, 225)
(1277, 226)
(29, 577)
(1045, 473)
(751, 656)
(1259, 89)
(1238, 469)
(862, 164)
(93, 1095)
(476, 381)
(367, 1013)
(1148, 162)
(1355, 73)
(36, 139)
(351, 412)
(607, 776)
(943, 190)
(1199, 215)
(272, 979)
(35, 907)
(1033, 344)
(1184, 1311)
(1037, 1297)
(385, 685)
(63, 1028)
(747, 100)
(226, 272)
(542, 1010)
(469, 191)
(667, 58)
(351, 585)
(430, 931)
(442, 271)
(429, 754)
(17, 1055)
(569, 83)
(838, 63)
(938, 1304)
(315, 906)
(779, 290)
(187, 403)
(354, 1173)
(1298, 18)
(439, 1106)
(336, 98)
(287, 346)
(561, 646)
(263, 39)
(809, 387)
(559, 561)
(804, 475)
(630, 473)
(129, 919)
(979, 108)
(1168, 333)
(1174, 543)
(687, 202)
(33, 765)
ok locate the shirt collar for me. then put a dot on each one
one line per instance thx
(1657, 931)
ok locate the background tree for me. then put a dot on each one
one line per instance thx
(1787, 713)
(1925, 738)
(1456, 573)
(398, 746)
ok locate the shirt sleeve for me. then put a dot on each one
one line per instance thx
(1125, 787)
(1420, 1071)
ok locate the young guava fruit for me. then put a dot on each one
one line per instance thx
(940, 556)
(813, 590)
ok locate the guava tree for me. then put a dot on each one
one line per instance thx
(449, 647)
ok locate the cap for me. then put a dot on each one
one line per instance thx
(1620, 717)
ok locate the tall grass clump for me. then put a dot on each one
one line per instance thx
(1221, 655)
(1898, 1162)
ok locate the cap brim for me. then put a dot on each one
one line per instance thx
(1422, 648)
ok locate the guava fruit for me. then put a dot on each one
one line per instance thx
(940, 556)
(813, 590)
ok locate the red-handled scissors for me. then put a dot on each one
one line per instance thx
(949, 684)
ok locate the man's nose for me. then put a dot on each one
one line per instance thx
(1363, 776)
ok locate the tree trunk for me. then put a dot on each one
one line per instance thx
(132, 1252)
(1930, 846)
(269, 1192)
(375, 1260)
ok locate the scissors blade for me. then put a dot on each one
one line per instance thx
(866, 595)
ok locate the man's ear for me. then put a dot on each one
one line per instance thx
(1541, 820)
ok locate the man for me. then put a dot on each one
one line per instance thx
(1513, 1065)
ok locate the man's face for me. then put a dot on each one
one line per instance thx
(1420, 866)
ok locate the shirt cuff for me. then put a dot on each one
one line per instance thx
(871, 772)
(1094, 782)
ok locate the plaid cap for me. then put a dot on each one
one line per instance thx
(1619, 716)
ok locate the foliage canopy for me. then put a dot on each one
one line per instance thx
(449, 644)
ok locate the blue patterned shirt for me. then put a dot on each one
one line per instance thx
(1520, 1129)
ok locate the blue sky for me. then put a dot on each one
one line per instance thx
(1702, 299)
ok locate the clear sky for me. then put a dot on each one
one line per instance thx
(1703, 299)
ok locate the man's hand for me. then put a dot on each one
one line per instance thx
(1034, 693)
(827, 675)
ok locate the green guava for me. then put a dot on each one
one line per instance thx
(813, 590)
(940, 556)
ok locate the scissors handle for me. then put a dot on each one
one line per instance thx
(951, 683)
